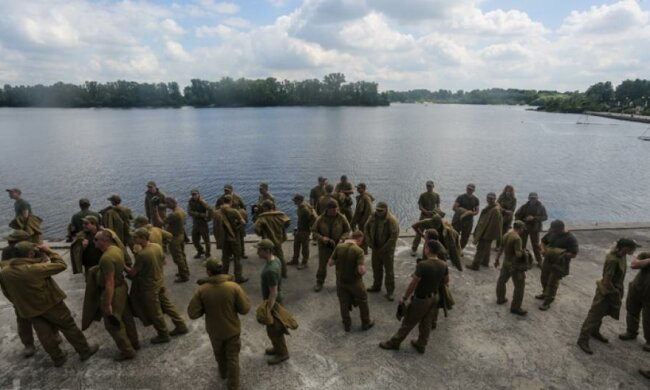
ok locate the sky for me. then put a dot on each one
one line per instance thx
(400, 44)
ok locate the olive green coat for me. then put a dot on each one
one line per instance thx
(149, 206)
(381, 234)
(148, 281)
(272, 225)
(336, 228)
(362, 211)
(76, 250)
(490, 224)
(226, 225)
(118, 219)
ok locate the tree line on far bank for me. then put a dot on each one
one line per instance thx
(227, 92)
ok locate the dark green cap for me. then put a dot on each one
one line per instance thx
(214, 264)
(90, 219)
(24, 247)
(627, 243)
(265, 244)
(17, 236)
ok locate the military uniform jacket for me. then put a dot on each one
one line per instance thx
(324, 200)
(507, 204)
(237, 201)
(77, 249)
(148, 281)
(273, 225)
(76, 223)
(315, 194)
(199, 210)
(382, 233)
(614, 269)
(511, 245)
(117, 219)
(347, 258)
(226, 225)
(363, 210)
(489, 225)
(538, 211)
(306, 217)
(336, 228)
(466, 205)
(429, 201)
(149, 206)
(175, 222)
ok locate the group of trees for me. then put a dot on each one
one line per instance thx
(332, 91)
(483, 96)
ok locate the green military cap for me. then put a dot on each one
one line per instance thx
(265, 244)
(298, 197)
(17, 236)
(361, 185)
(194, 191)
(214, 264)
(24, 247)
(491, 195)
(382, 206)
(10, 190)
(114, 198)
(90, 219)
(84, 202)
(471, 186)
(429, 183)
(228, 187)
(532, 195)
(141, 233)
(267, 204)
(140, 220)
(627, 243)
(152, 184)
(519, 225)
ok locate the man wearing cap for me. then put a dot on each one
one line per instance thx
(27, 282)
(239, 205)
(609, 293)
(362, 212)
(272, 224)
(318, 191)
(326, 199)
(428, 203)
(306, 217)
(24, 219)
(264, 195)
(154, 199)
(329, 229)
(533, 213)
(117, 218)
(382, 232)
(76, 223)
(221, 301)
(227, 229)
(83, 252)
(508, 203)
(345, 190)
(559, 247)
(174, 223)
(148, 294)
(465, 208)
(515, 265)
(200, 212)
(488, 229)
(156, 234)
(637, 302)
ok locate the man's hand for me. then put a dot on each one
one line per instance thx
(530, 218)
(330, 262)
(44, 248)
(107, 309)
(324, 240)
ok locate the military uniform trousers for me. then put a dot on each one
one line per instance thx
(417, 238)
(301, 244)
(636, 306)
(518, 279)
(24, 327)
(464, 228)
(276, 333)
(550, 279)
(419, 312)
(601, 307)
(56, 319)
(482, 255)
(347, 211)
(126, 337)
(232, 250)
(324, 253)
(534, 242)
(177, 250)
(200, 231)
(242, 236)
(382, 262)
(156, 304)
(507, 222)
(353, 294)
(226, 352)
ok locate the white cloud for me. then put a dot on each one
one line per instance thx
(219, 7)
(236, 22)
(170, 26)
(606, 19)
(372, 32)
(176, 51)
(219, 31)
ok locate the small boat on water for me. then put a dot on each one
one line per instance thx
(644, 137)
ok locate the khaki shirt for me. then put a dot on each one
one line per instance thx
(429, 201)
(112, 261)
(336, 228)
(149, 263)
(348, 257)
(511, 245)
(175, 222)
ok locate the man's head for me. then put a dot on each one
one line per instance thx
(26, 249)
(14, 193)
(195, 194)
(227, 200)
(329, 189)
(84, 204)
(265, 249)
(357, 236)
(171, 203)
(298, 199)
(267, 205)
(557, 226)
(213, 266)
(470, 189)
(509, 190)
(361, 188)
(519, 227)
(533, 198)
(103, 240)
(152, 188)
(264, 188)
(17, 236)
(90, 224)
(114, 199)
(431, 234)
(141, 237)
(228, 189)
(322, 180)
(491, 198)
(381, 210)
(332, 208)
(429, 185)
(433, 248)
(344, 179)
(625, 246)
(140, 221)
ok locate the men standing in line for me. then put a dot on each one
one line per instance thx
(488, 229)
(515, 265)
(350, 268)
(174, 223)
(200, 212)
(264, 195)
(362, 212)
(533, 213)
(24, 219)
(306, 217)
(76, 223)
(239, 205)
(154, 199)
(428, 203)
(318, 191)
(465, 208)
(345, 189)
(422, 294)
(27, 282)
(272, 225)
(638, 301)
(117, 218)
(83, 252)
(227, 229)
(326, 199)
(559, 247)
(609, 293)
(508, 204)
(329, 229)
(382, 232)
(221, 300)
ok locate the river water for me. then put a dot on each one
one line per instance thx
(583, 173)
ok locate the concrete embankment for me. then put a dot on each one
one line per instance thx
(624, 117)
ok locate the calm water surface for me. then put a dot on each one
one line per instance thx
(583, 173)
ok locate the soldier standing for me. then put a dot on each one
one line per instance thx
(264, 195)
(329, 229)
(515, 265)
(239, 205)
(488, 229)
(24, 219)
(428, 203)
(465, 208)
(175, 224)
(76, 223)
(533, 213)
(638, 301)
(559, 247)
(226, 226)
(83, 251)
(326, 199)
(382, 232)
(306, 217)
(317, 192)
(362, 212)
(272, 225)
(117, 218)
(200, 212)
(345, 189)
(508, 203)
(154, 199)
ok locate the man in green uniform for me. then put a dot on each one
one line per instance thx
(272, 224)
(174, 223)
(227, 229)
(114, 297)
(428, 203)
(317, 192)
(306, 217)
(350, 268)
(430, 275)
(156, 234)
(345, 191)
(24, 219)
(465, 208)
(27, 282)
(488, 229)
(446, 234)
(326, 199)
(264, 195)
(382, 232)
(76, 223)
(148, 294)
(329, 229)
(362, 212)
(221, 300)
(638, 301)
(271, 292)
(559, 247)
(515, 265)
(609, 293)
(200, 212)
(508, 203)
(83, 252)
(533, 213)
(239, 205)
(154, 199)
(117, 218)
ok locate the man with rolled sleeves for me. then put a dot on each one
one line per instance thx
(227, 229)
(154, 199)
(83, 252)
(24, 219)
(362, 212)
(317, 191)
(174, 223)
(345, 190)
(609, 293)
(465, 208)
(329, 229)
(382, 232)
(559, 247)
(76, 223)
(27, 282)
(272, 224)
(350, 268)
(239, 205)
(515, 265)
(428, 203)
(156, 234)
(488, 229)
(533, 213)
(638, 301)
(221, 301)
(306, 217)
(200, 212)
(422, 294)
